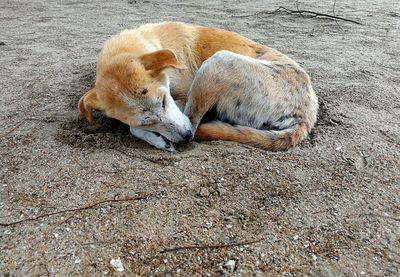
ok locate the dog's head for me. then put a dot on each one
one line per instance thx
(135, 90)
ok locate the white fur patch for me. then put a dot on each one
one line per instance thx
(225, 54)
(151, 138)
(175, 115)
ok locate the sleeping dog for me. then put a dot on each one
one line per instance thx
(165, 79)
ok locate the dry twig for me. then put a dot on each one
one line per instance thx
(303, 12)
(86, 207)
(213, 246)
(12, 129)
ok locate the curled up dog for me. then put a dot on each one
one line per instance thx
(173, 82)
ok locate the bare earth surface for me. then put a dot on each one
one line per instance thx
(325, 208)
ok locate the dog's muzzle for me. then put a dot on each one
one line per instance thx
(186, 137)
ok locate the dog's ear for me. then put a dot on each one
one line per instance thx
(88, 102)
(161, 59)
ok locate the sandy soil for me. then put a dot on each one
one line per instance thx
(328, 207)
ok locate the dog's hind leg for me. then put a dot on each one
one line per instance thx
(201, 98)
(207, 86)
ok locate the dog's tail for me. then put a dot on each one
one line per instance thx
(266, 139)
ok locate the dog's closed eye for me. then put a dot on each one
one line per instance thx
(163, 102)
(143, 91)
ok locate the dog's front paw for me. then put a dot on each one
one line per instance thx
(163, 144)
(169, 146)
(154, 139)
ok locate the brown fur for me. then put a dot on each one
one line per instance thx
(144, 59)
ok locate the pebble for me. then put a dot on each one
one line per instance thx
(117, 264)
(230, 265)
(204, 192)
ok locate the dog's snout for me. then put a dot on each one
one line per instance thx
(187, 137)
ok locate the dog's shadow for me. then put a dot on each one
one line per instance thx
(75, 131)
(110, 133)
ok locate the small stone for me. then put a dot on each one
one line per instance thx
(2, 43)
(230, 265)
(117, 264)
(204, 192)
(314, 257)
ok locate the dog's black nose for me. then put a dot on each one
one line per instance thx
(187, 137)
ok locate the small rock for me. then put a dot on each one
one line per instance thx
(360, 163)
(204, 192)
(314, 257)
(221, 190)
(230, 265)
(117, 264)
(2, 43)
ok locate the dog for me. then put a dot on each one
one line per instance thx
(172, 82)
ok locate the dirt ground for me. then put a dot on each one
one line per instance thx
(328, 207)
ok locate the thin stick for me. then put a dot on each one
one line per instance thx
(12, 129)
(297, 7)
(302, 12)
(334, 12)
(215, 246)
(132, 157)
(74, 209)
(316, 14)
(333, 8)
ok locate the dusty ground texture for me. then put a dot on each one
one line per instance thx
(328, 207)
